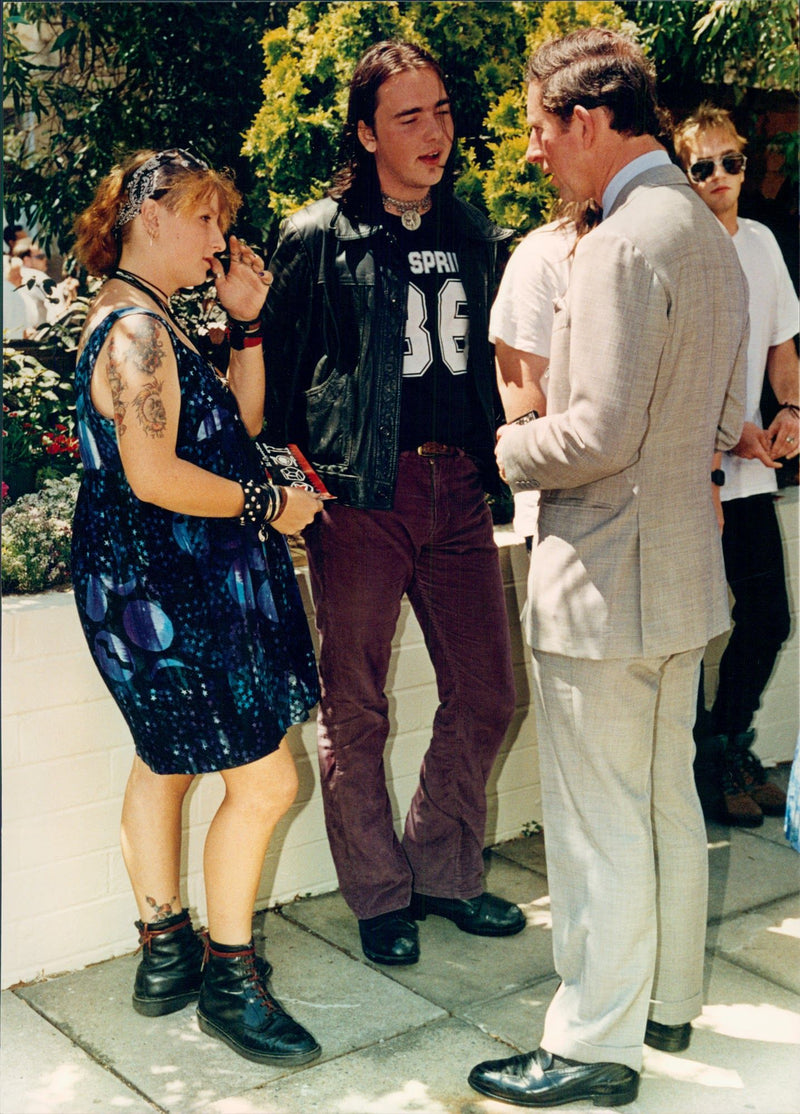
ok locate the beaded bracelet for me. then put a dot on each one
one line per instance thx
(263, 503)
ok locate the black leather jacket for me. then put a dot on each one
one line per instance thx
(335, 321)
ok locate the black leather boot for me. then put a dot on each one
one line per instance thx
(236, 1007)
(171, 968)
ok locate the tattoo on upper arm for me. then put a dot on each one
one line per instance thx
(146, 352)
(150, 411)
(116, 382)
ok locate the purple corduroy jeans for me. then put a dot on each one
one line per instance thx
(437, 547)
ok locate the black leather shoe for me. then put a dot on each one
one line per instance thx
(668, 1038)
(390, 938)
(540, 1079)
(484, 915)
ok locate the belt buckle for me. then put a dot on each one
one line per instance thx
(435, 448)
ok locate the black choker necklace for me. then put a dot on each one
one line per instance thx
(155, 292)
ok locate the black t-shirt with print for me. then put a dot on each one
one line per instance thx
(438, 399)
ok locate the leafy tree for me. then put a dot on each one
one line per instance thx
(293, 142)
(116, 77)
(741, 47)
(738, 43)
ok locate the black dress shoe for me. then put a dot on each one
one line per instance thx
(540, 1079)
(668, 1038)
(484, 915)
(390, 938)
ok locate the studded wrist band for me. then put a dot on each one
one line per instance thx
(262, 504)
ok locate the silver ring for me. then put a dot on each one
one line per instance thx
(790, 440)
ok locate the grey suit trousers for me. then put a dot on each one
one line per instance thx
(627, 859)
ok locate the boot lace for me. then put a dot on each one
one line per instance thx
(256, 971)
(149, 932)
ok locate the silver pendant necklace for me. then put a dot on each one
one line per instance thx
(410, 211)
(410, 220)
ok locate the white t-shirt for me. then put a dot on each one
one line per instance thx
(535, 276)
(522, 315)
(773, 319)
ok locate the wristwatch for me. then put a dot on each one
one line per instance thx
(718, 477)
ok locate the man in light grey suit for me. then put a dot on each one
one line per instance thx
(627, 583)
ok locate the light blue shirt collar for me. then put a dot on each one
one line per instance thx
(629, 172)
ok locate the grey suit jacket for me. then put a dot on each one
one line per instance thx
(647, 375)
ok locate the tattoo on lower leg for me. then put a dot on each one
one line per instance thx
(161, 912)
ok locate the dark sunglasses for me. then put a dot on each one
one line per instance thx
(702, 170)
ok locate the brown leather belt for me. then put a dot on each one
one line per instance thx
(435, 448)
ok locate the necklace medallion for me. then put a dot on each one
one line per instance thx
(411, 220)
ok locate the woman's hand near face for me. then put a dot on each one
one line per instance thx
(243, 290)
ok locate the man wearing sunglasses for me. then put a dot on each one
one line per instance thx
(731, 781)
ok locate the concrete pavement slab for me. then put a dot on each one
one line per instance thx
(765, 941)
(389, 1048)
(744, 1057)
(43, 1072)
(516, 1018)
(528, 851)
(746, 870)
(345, 1004)
(455, 968)
(423, 1071)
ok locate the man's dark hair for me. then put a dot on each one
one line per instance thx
(596, 67)
(11, 233)
(356, 182)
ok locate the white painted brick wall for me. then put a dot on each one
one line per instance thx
(66, 899)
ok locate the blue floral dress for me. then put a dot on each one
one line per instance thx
(196, 625)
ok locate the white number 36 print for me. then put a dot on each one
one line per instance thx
(453, 329)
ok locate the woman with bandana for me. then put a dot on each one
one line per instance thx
(184, 584)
